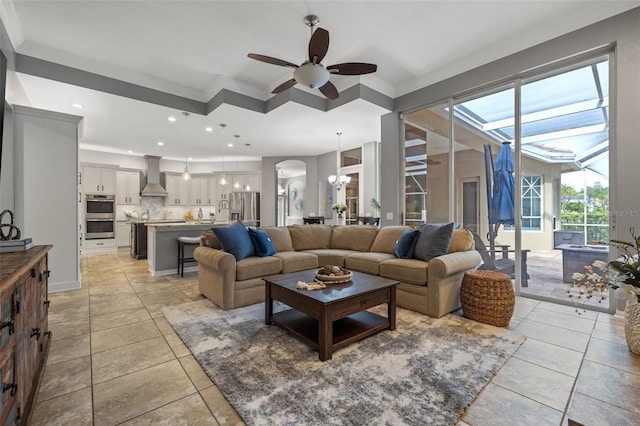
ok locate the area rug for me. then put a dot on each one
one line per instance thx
(427, 371)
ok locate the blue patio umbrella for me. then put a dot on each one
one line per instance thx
(502, 200)
(500, 189)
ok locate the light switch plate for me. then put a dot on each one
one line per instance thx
(389, 215)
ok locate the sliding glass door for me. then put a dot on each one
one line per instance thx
(544, 141)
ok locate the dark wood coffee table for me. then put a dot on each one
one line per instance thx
(333, 317)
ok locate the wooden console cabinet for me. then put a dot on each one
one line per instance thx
(24, 334)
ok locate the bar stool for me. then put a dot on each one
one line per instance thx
(185, 241)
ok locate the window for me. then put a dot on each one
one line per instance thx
(531, 203)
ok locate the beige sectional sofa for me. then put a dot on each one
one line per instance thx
(431, 288)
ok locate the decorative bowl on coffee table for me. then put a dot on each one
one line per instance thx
(332, 274)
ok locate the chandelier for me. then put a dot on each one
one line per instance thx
(186, 175)
(338, 180)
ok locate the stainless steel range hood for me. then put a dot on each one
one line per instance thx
(153, 187)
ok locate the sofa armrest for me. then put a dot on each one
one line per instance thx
(444, 280)
(453, 263)
(216, 275)
(214, 258)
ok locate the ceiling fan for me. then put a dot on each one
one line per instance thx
(312, 73)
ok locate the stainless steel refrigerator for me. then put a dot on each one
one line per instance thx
(245, 206)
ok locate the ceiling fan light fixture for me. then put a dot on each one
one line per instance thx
(311, 75)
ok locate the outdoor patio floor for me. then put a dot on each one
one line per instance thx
(545, 278)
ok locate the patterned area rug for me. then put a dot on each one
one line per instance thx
(427, 371)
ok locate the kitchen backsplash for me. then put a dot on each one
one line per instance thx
(157, 209)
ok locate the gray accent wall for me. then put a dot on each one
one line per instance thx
(391, 174)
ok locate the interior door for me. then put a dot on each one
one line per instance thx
(469, 207)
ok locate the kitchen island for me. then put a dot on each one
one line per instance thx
(162, 244)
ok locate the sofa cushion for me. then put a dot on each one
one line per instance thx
(256, 267)
(412, 271)
(353, 237)
(406, 243)
(294, 261)
(280, 237)
(235, 239)
(331, 256)
(262, 245)
(386, 238)
(307, 237)
(209, 240)
(369, 263)
(461, 240)
(433, 241)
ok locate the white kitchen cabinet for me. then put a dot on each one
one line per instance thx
(123, 230)
(128, 189)
(99, 180)
(212, 189)
(222, 190)
(246, 183)
(199, 191)
(177, 190)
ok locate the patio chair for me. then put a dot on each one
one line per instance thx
(368, 220)
(311, 220)
(502, 264)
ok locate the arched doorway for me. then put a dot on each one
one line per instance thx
(290, 192)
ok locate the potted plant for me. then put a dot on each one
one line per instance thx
(339, 209)
(623, 275)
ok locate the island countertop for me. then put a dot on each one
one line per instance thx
(205, 224)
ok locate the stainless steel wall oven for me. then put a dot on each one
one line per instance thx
(100, 216)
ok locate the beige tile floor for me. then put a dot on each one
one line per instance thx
(114, 359)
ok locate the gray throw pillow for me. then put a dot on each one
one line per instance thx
(433, 241)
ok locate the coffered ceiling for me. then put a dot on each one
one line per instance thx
(192, 50)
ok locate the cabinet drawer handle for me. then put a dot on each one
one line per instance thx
(46, 273)
(12, 386)
(35, 332)
(7, 324)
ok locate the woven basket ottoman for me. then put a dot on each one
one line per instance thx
(487, 297)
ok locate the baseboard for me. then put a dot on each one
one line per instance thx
(71, 285)
(173, 271)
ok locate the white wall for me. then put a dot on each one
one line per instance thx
(46, 201)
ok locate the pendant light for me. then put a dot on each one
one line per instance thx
(223, 180)
(186, 175)
(237, 184)
(337, 180)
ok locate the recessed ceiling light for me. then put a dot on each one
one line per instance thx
(130, 152)
(172, 119)
(190, 159)
(209, 129)
(160, 143)
(77, 106)
(230, 145)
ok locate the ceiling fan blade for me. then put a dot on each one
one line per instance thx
(270, 60)
(284, 86)
(318, 45)
(352, 68)
(329, 90)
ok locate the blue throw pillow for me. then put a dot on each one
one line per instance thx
(262, 244)
(433, 241)
(235, 239)
(405, 244)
